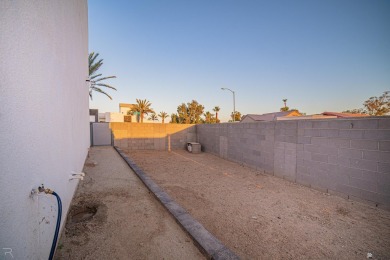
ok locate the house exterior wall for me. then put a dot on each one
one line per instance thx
(94, 115)
(114, 117)
(124, 110)
(43, 71)
(347, 157)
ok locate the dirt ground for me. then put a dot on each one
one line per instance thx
(129, 222)
(264, 217)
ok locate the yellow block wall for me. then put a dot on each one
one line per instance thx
(149, 136)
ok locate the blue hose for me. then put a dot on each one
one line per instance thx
(53, 246)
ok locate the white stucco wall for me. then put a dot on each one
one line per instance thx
(124, 110)
(43, 72)
(114, 117)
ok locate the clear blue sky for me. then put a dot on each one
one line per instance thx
(320, 55)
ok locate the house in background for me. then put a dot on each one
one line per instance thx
(93, 115)
(135, 118)
(124, 108)
(121, 116)
(102, 117)
(270, 116)
(311, 117)
(343, 115)
(108, 117)
(113, 117)
(294, 115)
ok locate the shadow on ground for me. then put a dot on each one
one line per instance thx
(113, 216)
(262, 216)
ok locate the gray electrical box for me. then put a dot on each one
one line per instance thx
(193, 147)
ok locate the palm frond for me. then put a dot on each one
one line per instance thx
(100, 91)
(109, 77)
(94, 66)
(105, 85)
(95, 76)
(91, 58)
(163, 115)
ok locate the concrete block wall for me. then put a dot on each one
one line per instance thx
(350, 157)
(285, 149)
(347, 157)
(149, 136)
(251, 144)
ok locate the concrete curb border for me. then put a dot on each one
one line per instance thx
(209, 245)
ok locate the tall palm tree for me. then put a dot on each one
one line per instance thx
(163, 115)
(142, 107)
(216, 109)
(95, 79)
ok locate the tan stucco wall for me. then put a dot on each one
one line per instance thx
(151, 136)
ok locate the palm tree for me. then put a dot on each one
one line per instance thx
(153, 117)
(285, 102)
(285, 108)
(95, 80)
(142, 107)
(237, 117)
(216, 109)
(208, 116)
(163, 115)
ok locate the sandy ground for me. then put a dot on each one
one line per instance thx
(263, 217)
(129, 222)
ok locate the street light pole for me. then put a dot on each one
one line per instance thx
(234, 102)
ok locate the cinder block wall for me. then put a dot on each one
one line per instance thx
(347, 157)
(249, 143)
(149, 136)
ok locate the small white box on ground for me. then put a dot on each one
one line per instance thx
(193, 147)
